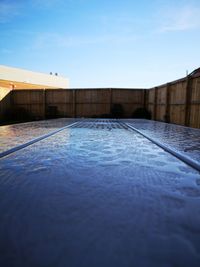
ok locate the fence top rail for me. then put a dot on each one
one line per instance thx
(76, 89)
(193, 74)
(108, 88)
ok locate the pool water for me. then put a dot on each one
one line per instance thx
(183, 139)
(98, 194)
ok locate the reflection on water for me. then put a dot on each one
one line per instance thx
(183, 139)
(98, 197)
(17, 134)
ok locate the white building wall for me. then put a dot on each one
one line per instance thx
(25, 76)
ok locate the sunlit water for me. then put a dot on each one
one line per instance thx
(183, 139)
(98, 195)
(17, 134)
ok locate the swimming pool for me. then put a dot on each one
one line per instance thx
(98, 194)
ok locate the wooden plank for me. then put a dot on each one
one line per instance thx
(161, 95)
(92, 96)
(59, 96)
(92, 110)
(161, 112)
(177, 114)
(194, 120)
(178, 92)
(127, 96)
(195, 116)
(151, 93)
(167, 108)
(195, 88)
(187, 101)
(155, 103)
(74, 103)
(44, 104)
(111, 100)
(130, 108)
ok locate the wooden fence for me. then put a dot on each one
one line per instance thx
(77, 102)
(176, 102)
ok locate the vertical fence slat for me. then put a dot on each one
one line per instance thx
(74, 103)
(155, 103)
(167, 109)
(188, 102)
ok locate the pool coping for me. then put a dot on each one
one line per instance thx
(175, 153)
(35, 140)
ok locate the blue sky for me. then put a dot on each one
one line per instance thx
(98, 43)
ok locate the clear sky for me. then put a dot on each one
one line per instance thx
(102, 43)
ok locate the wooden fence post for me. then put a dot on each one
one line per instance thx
(111, 99)
(167, 110)
(155, 103)
(74, 103)
(144, 98)
(188, 101)
(12, 102)
(44, 103)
